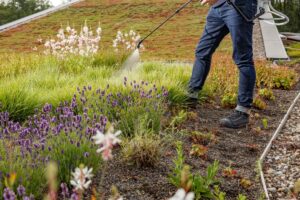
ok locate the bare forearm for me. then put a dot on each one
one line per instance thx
(210, 2)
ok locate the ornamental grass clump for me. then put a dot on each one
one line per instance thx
(143, 150)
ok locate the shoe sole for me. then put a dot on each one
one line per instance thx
(234, 127)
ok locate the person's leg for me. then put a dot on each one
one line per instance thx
(241, 34)
(215, 30)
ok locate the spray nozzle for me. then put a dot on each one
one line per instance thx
(139, 44)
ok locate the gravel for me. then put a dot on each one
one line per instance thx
(282, 164)
(258, 43)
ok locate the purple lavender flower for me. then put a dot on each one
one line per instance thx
(21, 190)
(64, 190)
(86, 154)
(9, 194)
(74, 196)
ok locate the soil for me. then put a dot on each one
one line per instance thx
(239, 149)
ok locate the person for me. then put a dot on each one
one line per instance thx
(221, 20)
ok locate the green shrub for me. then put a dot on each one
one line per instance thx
(266, 94)
(275, 77)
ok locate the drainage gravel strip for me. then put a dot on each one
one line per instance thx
(282, 156)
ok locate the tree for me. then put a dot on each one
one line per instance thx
(11, 10)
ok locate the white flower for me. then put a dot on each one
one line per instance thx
(106, 142)
(99, 30)
(82, 178)
(119, 198)
(68, 29)
(182, 195)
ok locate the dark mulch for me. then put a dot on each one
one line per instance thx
(241, 148)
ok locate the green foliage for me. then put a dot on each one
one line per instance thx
(241, 197)
(29, 172)
(202, 138)
(109, 60)
(265, 123)
(129, 116)
(266, 94)
(178, 120)
(18, 102)
(229, 100)
(259, 103)
(175, 176)
(69, 151)
(143, 150)
(202, 186)
(276, 77)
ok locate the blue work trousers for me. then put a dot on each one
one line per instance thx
(222, 20)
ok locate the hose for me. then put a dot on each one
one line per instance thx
(281, 19)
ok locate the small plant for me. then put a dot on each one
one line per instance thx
(265, 123)
(202, 186)
(259, 103)
(143, 150)
(266, 94)
(198, 150)
(181, 194)
(280, 77)
(295, 192)
(245, 183)
(229, 172)
(241, 197)
(178, 119)
(175, 176)
(202, 138)
(229, 100)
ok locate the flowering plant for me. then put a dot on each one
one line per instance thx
(107, 141)
(126, 41)
(81, 178)
(70, 42)
(181, 194)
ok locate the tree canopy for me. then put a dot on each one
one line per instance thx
(11, 10)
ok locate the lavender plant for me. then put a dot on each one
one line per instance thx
(64, 134)
(59, 135)
(127, 105)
